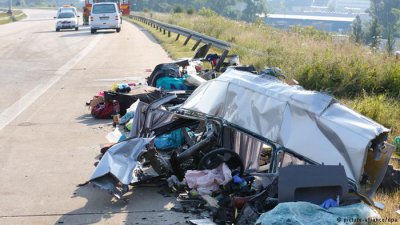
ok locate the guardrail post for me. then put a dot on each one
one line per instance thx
(177, 37)
(169, 33)
(197, 44)
(187, 39)
(208, 48)
(221, 60)
(164, 31)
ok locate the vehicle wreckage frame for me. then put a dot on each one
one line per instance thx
(213, 141)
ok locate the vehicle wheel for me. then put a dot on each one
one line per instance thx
(92, 31)
(76, 28)
(216, 157)
(118, 30)
(57, 29)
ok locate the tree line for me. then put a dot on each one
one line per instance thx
(384, 24)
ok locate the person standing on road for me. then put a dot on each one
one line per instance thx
(86, 14)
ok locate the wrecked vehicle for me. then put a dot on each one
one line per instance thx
(258, 126)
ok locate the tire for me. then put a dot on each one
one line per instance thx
(118, 30)
(214, 158)
(92, 31)
(76, 28)
(57, 29)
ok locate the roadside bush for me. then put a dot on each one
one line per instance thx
(178, 9)
(190, 11)
(207, 12)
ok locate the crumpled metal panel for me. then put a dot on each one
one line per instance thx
(121, 160)
(158, 117)
(310, 123)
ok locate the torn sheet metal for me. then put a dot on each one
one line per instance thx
(145, 122)
(309, 123)
(121, 161)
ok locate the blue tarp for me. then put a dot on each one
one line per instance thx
(171, 83)
(169, 141)
(304, 213)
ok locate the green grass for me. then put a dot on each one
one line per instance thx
(5, 18)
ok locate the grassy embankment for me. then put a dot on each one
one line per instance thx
(364, 80)
(5, 18)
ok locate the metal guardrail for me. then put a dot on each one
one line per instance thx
(189, 34)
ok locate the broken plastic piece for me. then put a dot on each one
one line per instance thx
(202, 222)
(329, 203)
(311, 183)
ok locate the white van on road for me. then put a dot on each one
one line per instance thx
(105, 16)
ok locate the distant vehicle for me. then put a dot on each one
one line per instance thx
(123, 5)
(67, 8)
(67, 20)
(105, 16)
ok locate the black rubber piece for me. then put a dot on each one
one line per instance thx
(216, 157)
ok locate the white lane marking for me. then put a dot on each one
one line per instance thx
(12, 112)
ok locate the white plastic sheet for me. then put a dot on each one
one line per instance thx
(208, 181)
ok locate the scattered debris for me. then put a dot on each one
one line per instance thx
(241, 147)
(208, 181)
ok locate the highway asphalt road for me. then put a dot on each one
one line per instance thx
(49, 140)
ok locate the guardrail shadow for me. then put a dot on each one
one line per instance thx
(145, 32)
